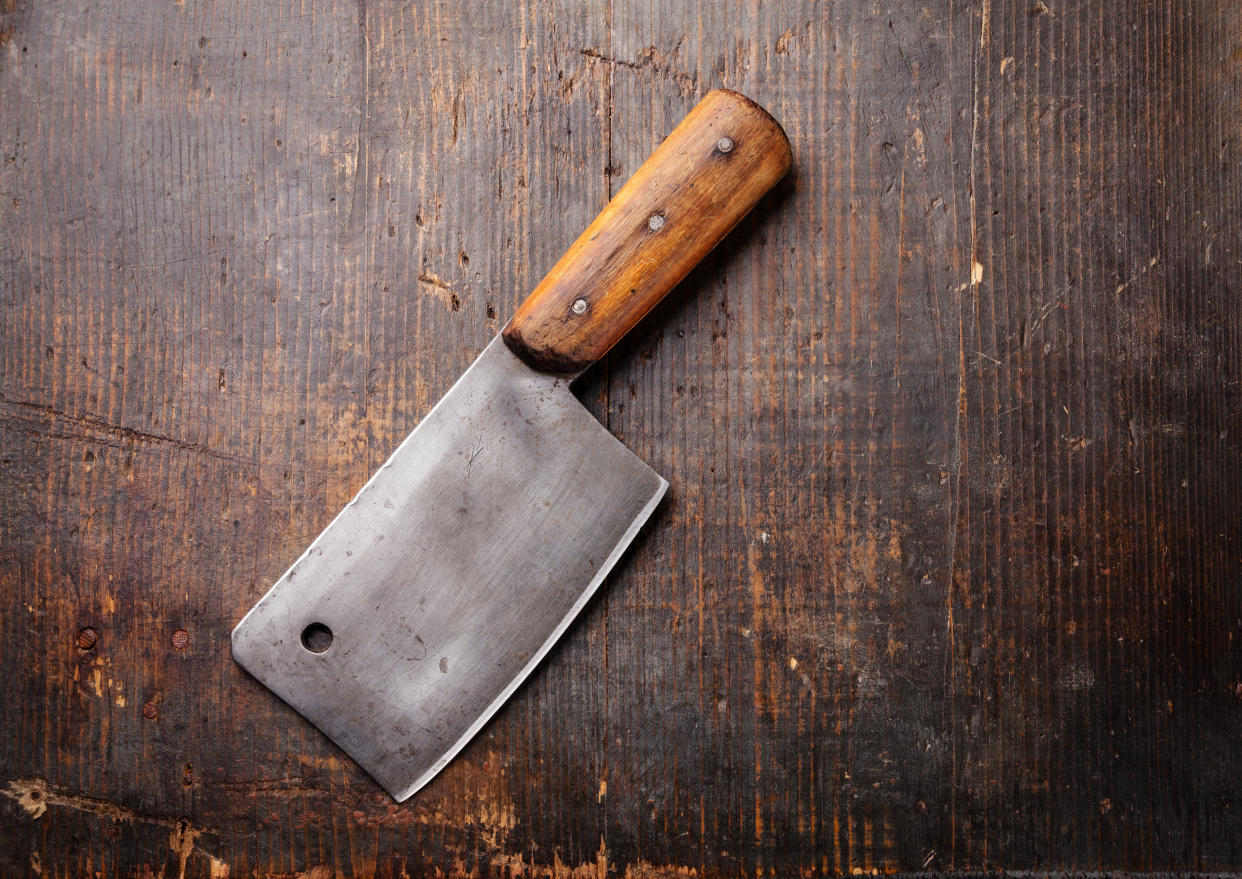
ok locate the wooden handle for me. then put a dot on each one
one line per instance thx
(693, 189)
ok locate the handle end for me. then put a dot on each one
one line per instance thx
(773, 132)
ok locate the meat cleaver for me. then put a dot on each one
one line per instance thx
(434, 593)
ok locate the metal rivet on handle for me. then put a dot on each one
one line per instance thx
(579, 306)
(655, 222)
(725, 144)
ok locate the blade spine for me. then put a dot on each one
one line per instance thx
(495, 705)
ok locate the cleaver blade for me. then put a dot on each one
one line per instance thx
(452, 572)
(429, 599)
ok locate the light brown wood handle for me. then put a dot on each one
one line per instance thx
(693, 189)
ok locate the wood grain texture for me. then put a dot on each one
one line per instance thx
(700, 181)
(947, 575)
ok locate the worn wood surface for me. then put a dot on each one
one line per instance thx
(949, 574)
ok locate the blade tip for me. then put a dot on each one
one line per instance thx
(403, 791)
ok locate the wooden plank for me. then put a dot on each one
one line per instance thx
(946, 576)
(810, 400)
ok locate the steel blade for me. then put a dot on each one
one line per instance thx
(451, 573)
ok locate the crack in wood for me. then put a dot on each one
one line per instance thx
(98, 430)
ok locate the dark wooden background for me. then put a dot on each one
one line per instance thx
(949, 576)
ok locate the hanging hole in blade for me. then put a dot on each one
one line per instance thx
(316, 637)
